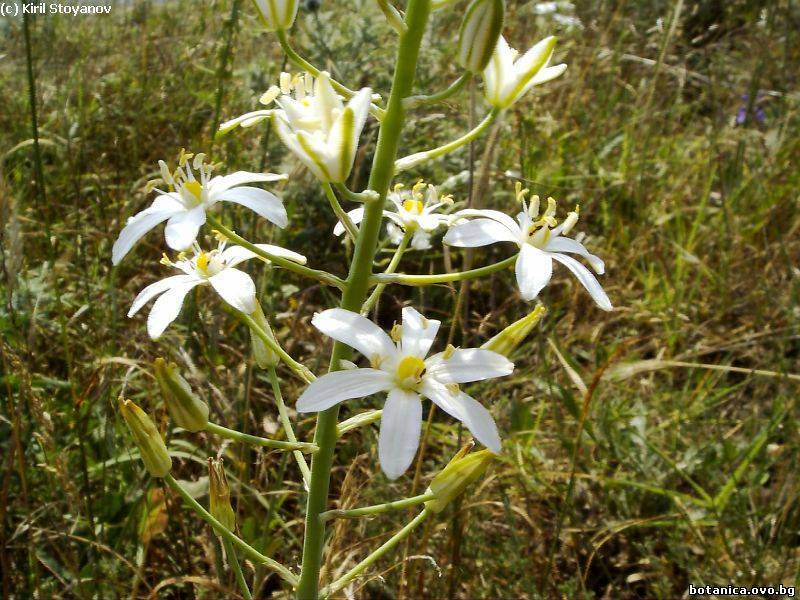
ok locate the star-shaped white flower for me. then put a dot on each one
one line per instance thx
(416, 211)
(214, 268)
(314, 122)
(184, 206)
(540, 240)
(508, 78)
(402, 369)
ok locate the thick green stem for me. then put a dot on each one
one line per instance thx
(228, 535)
(398, 537)
(233, 561)
(289, 265)
(404, 279)
(377, 509)
(357, 284)
(232, 434)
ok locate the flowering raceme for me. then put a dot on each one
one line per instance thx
(416, 214)
(540, 240)
(184, 206)
(214, 268)
(398, 365)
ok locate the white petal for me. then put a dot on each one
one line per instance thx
(236, 288)
(356, 216)
(534, 269)
(534, 59)
(154, 289)
(265, 204)
(418, 333)
(290, 140)
(469, 364)
(332, 388)
(233, 255)
(181, 230)
(467, 410)
(401, 422)
(565, 244)
(548, 74)
(245, 120)
(167, 308)
(163, 208)
(356, 331)
(421, 240)
(479, 232)
(586, 278)
(495, 215)
(225, 182)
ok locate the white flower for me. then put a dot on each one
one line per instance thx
(277, 14)
(314, 123)
(184, 206)
(508, 78)
(401, 368)
(541, 241)
(214, 268)
(415, 212)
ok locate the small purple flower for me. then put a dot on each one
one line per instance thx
(757, 112)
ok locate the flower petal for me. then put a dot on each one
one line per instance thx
(265, 204)
(469, 364)
(586, 278)
(495, 215)
(236, 288)
(163, 207)
(418, 333)
(181, 230)
(565, 244)
(534, 269)
(154, 289)
(233, 255)
(221, 183)
(332, 388)
(480, 232)
(167, 308)
(356, 331)
(356, 216)
(467, 410)
(398, 440)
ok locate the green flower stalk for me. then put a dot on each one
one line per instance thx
(508, 340)
(150, 443)
(183, 405)
(462, 470)
(264, 356)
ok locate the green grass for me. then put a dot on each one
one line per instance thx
(643, 478)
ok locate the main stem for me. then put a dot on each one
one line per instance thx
(357, 284)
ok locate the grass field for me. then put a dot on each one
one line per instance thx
(645, 449)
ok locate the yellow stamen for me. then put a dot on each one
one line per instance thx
(410, 368)
(397, 332)
(202, 262)
(448, 352)
(413, 206)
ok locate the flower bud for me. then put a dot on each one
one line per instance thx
(479, 33)
(183, 405)
(277, 14)
(462, 470)
(150, 443)
(512, 336)
(219, 495)
(264, 356)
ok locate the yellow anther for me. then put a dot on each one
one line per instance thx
(551, 207)
(418, 187)
(375, 362)
(199, 159)
(182, 255)
(184, 157)
(195, 188)
(519, 191)
(269, 96)
(448, 352)
(219, 236)
(569, 222)
(533, 208)
(447, 199)
(285, 83)
(410, 368)
(453, 389)
(413, 206)
(398, 187)
(396, 333)
(165, 260)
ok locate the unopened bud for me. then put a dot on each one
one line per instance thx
(512, 336)
(264, 356)
(479, 33)
(183, 405)
(462, 470)
(150, 443)
(219, 495)
(277, 14)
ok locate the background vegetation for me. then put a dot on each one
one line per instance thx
(645, 449)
